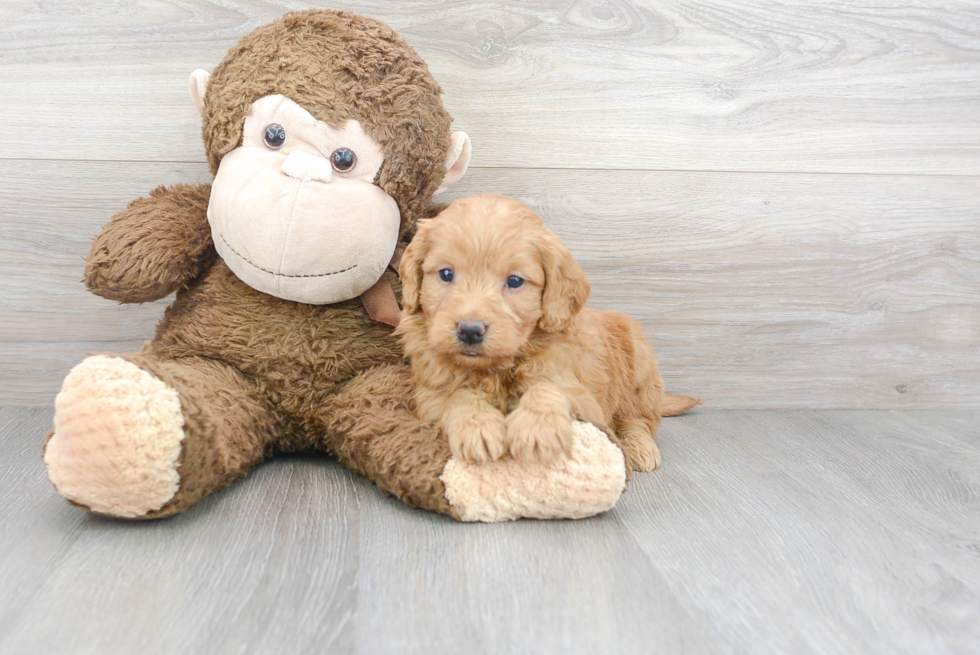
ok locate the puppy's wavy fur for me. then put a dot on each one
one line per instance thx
(544, 360)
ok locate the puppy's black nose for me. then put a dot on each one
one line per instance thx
(471, 332)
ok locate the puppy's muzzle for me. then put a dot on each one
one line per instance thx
(471, 332)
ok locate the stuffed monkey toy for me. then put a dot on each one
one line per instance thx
(327, 139)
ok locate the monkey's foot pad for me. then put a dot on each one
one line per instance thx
(586, 482)
(117, 438)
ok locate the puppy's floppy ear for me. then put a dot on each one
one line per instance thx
(410, 268)
(566, 287)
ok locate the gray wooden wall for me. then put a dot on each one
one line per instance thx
(786, 194)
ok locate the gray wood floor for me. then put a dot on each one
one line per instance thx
(764, 532)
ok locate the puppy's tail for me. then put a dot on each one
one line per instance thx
(674, 405)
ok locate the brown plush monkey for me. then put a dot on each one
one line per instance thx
(328, 139)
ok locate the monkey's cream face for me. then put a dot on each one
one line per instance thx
(294, 210)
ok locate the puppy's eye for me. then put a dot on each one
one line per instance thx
(515, 282)
(446, 275)
(343, 159)
(274, 136)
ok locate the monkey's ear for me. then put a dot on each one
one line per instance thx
(458, 161)
(410, 268)
(199, 86)
(566, 287)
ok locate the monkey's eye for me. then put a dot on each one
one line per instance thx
(446, 274)
(274, 136)
(343, 159)
(515, 282)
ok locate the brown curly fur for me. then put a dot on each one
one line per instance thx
(160, 247)
(257, 374)
(543, 359)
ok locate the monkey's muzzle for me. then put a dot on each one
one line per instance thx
(297, 235)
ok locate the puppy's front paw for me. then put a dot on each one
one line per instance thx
(540, 436)
(478, 437)
(641, 454)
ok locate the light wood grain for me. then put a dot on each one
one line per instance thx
(717, 85)
(758, 290)
(809, 504)
(764, 532)
(37, 531)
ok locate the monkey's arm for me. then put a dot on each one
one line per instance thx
(153, 247)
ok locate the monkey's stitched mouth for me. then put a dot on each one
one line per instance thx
(265, 270)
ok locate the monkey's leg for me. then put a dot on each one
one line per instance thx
(370, 427)
(140, 437)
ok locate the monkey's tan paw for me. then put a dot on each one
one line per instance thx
(588, 480)
(479, 437)
(117, 438)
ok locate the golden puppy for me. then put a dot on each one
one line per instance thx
(504, 354)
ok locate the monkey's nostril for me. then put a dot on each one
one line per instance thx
(471, 332)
